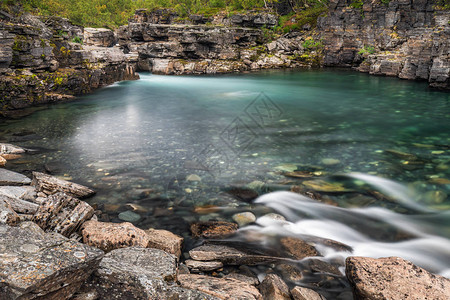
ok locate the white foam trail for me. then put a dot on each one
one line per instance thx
(353, 227)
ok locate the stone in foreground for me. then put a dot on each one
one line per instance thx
(274, 288)
(222, 288)
(38, 265)
(13, 178)
(165, 240)
(203, 266)
(51, 185)
(7, 215)
(63, 214)
(393, 278)
(140, 273)
(110, 236)
(301, 293)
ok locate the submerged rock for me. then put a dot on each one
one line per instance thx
(213, 229)
(324, 186)
(109, 236)
(10, 149)
(222, 288)
(36, 265)
(244, 218)
(129, 216)
(393, 278)
(229, 255)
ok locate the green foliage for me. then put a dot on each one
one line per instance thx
(312, 45)
(366, 50)
(442, 5)
(77, 39)
(295, 21)
(357, 4)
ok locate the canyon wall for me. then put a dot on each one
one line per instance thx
(43, 60)
(409, 39)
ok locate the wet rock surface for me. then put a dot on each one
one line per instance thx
(301, 293)
(213, 229)
(35, 264)
(393, 278)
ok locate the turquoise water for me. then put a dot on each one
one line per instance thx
(142, 141)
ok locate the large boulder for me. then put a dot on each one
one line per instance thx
(393, 278)
(140, 273)
(38, 265)
(110, 236)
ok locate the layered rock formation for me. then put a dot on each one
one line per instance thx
(404, 38)
(43, 60)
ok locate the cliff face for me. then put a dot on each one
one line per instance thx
(43, 60)
(404, 38)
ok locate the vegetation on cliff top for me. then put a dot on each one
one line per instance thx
(113, 13)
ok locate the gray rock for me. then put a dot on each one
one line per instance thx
(129, 216)
(7, 215)
(10, 149)
(393, 278)
(139, 273)
(63, 214)
(202, 266)
(102, 37)
(21, 206)
(13, 178)
(39, 265)
(27, 193)
(51, 185)
(228, 255)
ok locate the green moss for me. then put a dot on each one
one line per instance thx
(366, 50)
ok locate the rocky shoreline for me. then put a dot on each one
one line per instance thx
(48, 59)
(53, 246)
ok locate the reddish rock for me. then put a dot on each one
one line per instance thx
(165, 240)
(297, 248)
(201, 266)
(222, 288)
(213, 229)
(393, 278)
(109, 236)
(274, 288)
(301, 293)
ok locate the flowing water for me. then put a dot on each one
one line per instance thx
(374, 150)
